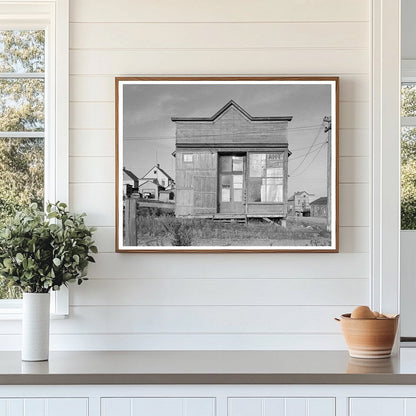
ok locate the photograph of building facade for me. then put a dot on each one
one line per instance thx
(231, 164)
(226, 164)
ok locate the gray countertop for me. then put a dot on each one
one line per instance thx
(207, 367)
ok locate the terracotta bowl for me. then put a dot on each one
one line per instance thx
(369, 338)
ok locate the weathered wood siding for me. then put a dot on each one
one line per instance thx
(231, 127)
(196, 183)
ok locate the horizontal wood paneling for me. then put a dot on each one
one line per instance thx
(352, 115)
(220, 35)
(93, 143)
(354, 169)
(218, 11)
(354, 239)
(220, 61)
(267, 265)
(287, 297)
(194, 320)
(92, 169)
(221, 291)
(97, 200)
(354, 142)
(201, 319)
(146, 342)
(101, 88)
(354, 208)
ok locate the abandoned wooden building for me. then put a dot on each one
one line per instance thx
(319, 207)
(299, 204)
(232, 165)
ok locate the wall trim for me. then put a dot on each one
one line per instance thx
(385, 98)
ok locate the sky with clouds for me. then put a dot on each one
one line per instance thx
(149, 133)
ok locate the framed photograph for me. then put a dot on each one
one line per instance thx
(227, 164)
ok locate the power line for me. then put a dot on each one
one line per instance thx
(309, 153)
(310, 163)
(313, 142)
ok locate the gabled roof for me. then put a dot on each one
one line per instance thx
(302, 192)
(131, 174)
(323, 200)
(159, 168)
(233, 104)
(292, 198)
(154, 182)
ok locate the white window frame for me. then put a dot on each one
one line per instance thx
(408, 237)
(53, 17)
(385, 185)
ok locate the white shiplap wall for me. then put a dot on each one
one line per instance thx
(218, 301)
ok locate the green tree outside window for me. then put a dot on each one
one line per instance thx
(22, 125)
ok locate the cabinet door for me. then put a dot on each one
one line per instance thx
(160, 406)
(382, 406)
(271, 406)
(44, 407)
(377, 407)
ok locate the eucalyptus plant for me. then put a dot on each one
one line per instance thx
(42, 251)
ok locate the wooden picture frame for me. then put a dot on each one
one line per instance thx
(227, 164)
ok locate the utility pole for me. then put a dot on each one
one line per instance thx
(327, 121)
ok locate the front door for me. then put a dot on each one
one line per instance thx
(231, 184)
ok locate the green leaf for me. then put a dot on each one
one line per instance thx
(57, 262)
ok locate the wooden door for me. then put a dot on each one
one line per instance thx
(231, 186)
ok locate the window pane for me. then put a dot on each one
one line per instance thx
(188, 157)
(254, 190)
(238, 181)
(21, 183)
(225, 163)
(408, 178)
(408, 102)
(22, 105)
(272, 190)
(238, 195)
(226, 193)
(22, 51)
(257, 164)
(237, 164)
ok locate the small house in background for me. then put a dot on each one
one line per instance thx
(299, 204)
(149, 189)
(319, 207)
(156, 173)
(130, 182)
(231, 165)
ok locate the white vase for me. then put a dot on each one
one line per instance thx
(35, 326)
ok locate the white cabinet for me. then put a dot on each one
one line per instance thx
(382, 406)
(160, 406)
(44, 407)
(270, 406)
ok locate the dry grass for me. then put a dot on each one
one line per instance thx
(156, 228)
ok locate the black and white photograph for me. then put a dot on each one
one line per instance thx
(227, 164)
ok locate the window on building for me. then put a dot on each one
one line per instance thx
(33, 114)
(188, 157)
(408, 156)
(265, 177)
